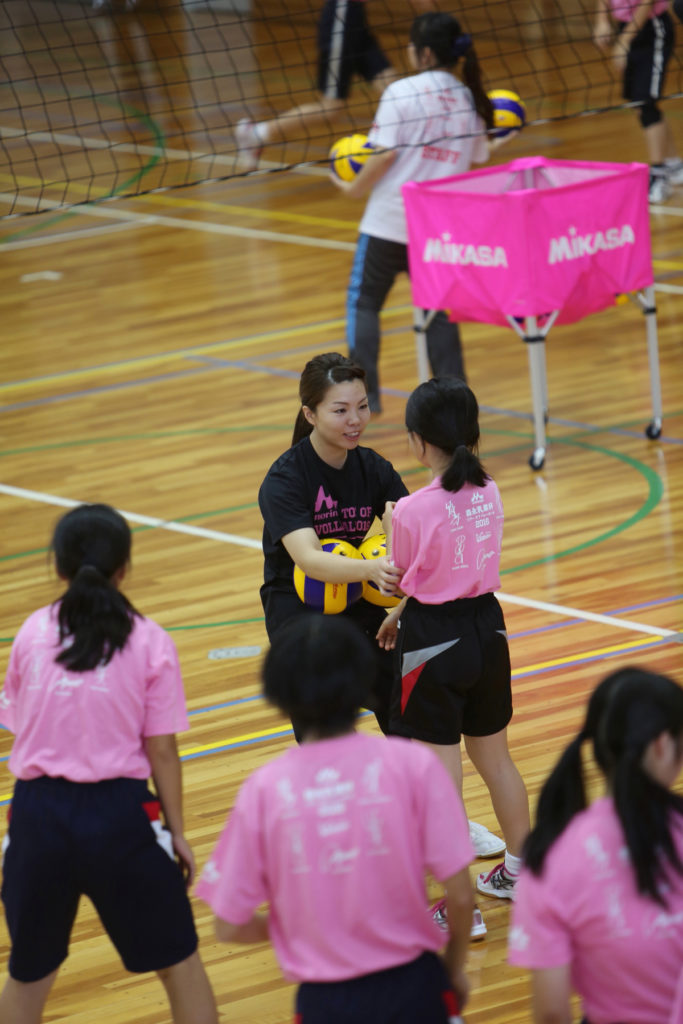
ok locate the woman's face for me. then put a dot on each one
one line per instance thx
(339, 419)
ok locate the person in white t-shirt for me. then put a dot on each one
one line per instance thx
(599, 905)
(430, 125)
(336, 836)
(94, 697)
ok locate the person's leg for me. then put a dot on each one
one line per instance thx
(375, 266)
(189, 992)
(491, 758)
(23, 1002)
(450, 756)
(444, 348)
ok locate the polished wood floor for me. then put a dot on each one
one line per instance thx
(150, 358)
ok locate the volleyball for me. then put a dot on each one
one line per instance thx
(330, 598)
(509, 112)
(348, 155)
(376, 547)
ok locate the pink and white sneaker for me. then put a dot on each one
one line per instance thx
(478, 929)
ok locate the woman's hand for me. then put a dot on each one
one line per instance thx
(384, 574)
(387, 634)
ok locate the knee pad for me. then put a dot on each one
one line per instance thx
(650, 114)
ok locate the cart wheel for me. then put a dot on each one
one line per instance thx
(537, 459)
(653, 430)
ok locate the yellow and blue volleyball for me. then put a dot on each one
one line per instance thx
(376, 547)
(509, 112)
(330, 598)
(348, 155)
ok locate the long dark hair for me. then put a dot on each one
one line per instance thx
(319, 670)
(629, 709)
(319, 375)
(91, 544)
(441, 33)
(444, 412)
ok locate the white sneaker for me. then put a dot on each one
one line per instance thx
(497, 883)
(249, 146)
(485, 843)
(674, 172)
(659, 189)
(478, 929)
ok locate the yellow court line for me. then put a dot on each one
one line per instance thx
(613, 649)
(185, 203)
(667, 264)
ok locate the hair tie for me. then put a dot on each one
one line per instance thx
(461, 45)
(89, 567)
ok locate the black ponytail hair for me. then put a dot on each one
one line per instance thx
(319, 375)
(441, 33)
(91, 544)
(319, 670)
(444, 412)
(629, 709)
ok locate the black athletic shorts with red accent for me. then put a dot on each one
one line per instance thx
(417, 991)
(647, 58)
(453, 663)
(99, 839)
(346, 47)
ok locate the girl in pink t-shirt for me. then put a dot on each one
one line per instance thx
(94, 696)
(336, 836)
(599, 905)
(452, 658)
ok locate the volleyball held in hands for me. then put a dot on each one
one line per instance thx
(509, 112)
(376, 547)
(330, 598)
(348, 155)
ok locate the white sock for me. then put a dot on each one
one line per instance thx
(673, 161)
(513, 865)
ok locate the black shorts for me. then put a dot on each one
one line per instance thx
(346, 47)
(416, 991)
(68, 839)
(452, 671)
(647, 59)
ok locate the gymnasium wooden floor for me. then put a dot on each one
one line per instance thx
(152, 348)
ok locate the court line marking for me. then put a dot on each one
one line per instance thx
(230, 538)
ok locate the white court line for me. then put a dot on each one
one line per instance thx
(83, 142)
(135, 517)
(575, 613)
(107, 211)
(231, 538)
(70, 236)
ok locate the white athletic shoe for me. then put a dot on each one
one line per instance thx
(249, 146)
(674, 172)
(485, 843)
(478, 929)
(660, 189)
(497, 883)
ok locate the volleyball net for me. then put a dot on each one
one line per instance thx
(105, 99)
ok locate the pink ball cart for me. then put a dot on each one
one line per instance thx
(530, 244)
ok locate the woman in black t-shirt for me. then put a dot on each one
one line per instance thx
(327, 487)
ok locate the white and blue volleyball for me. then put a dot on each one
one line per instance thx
(330, 598)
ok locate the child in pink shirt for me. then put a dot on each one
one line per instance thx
(336, 836)
(452, 659)
(599, 905)
(94, 696)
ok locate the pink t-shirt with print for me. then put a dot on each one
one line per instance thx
(337, 837)
(89, 726)
(625, 950)
(449, 544)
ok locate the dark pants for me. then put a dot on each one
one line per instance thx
(376, 265)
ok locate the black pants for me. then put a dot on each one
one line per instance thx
(376, 265)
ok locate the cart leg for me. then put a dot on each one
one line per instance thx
(653, 429)
(537, 372)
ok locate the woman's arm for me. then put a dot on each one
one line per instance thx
(459, 905)
(374, 168)
(304, 549)
(254, 930)
(162, 752)
(550, 995)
